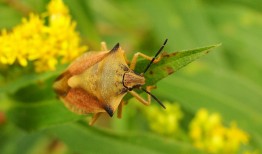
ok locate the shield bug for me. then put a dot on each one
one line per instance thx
(96, 82)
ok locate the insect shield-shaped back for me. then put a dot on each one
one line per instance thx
(96, 82)
(93, 83)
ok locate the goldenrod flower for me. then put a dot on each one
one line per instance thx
(209, 134)
(165, 122)
(57, 8)
(43, 44)
(235, 137)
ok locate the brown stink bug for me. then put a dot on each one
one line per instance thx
(96, 82)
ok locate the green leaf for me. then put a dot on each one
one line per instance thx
(40, 115)
(9, 15)
(25, 79)
(85, 139)
(171, 63)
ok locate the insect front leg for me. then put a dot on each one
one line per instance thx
(149, 88)
(139, 98)
(142, 100)
(134, 59)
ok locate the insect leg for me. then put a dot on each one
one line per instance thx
(142, 100)
(127, 61)
(148, 102)
(149, 88)
(103, 46)
(139, 98)
(134, 59)
(94, 118)
(120, 109)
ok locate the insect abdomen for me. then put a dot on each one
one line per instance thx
(80, 101)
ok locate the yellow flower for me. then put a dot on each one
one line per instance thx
(40, 43)
(165, 122)
(235, 137)
(209, 134)
(57, 7)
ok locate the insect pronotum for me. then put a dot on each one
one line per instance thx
(96, 82)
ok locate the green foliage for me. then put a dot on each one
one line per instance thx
(171, 63)
(90, 140)
(227, 81)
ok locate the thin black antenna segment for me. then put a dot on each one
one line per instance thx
(158, 101)
(158, 52)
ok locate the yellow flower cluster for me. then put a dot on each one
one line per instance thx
(43, 43)
(209, 134)
(165, 122)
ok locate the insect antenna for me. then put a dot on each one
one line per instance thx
(158, 101)
(158, 52)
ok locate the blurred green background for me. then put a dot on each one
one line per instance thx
(227, 81)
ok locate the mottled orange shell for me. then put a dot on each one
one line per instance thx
(93, 82)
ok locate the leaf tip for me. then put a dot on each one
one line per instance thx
(212, 47)
(217, 45)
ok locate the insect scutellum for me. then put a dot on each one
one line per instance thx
(133, 80)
